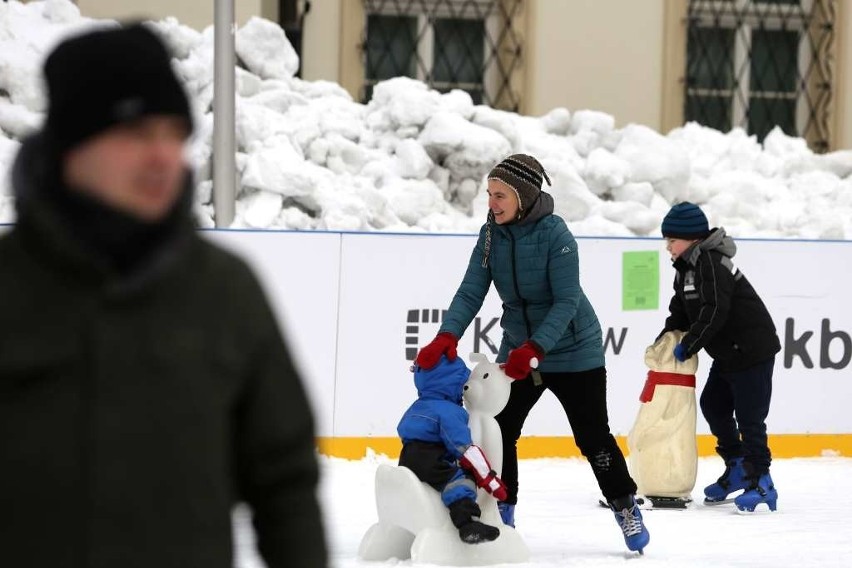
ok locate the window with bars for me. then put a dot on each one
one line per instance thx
(759, 64)
(449, 44)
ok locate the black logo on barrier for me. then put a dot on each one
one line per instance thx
(481, 328)
(412, 329)
(798, 346)
(612, 341)
(796, 342)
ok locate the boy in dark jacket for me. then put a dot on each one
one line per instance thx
(721, 313)
(145, 387)
(437, 447)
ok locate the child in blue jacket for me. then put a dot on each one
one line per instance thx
(437, 447)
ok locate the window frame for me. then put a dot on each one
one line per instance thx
(427, 10)
(723, 14)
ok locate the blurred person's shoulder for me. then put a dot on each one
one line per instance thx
(222, 267)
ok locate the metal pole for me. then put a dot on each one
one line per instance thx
(224, 145)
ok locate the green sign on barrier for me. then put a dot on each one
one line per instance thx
(640, 280)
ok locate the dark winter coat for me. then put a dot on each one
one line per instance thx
(535, 268)
(718, 308)
(437, 416)
(137, 408)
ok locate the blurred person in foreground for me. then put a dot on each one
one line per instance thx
(145, 387)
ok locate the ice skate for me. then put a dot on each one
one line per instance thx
(629, 518)
(734, 479)
(762, 491)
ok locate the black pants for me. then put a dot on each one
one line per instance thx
(583, 397)
(735, 405)
(431, 463)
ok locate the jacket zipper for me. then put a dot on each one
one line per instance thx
(517, 287)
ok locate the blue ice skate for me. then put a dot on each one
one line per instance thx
(629, 518)
(761, 492)
(734, 479)
(507, 513)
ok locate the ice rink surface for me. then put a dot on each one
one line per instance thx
(559, 518)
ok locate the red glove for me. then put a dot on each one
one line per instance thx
(519, 364)
(474, 461)
(444, 344)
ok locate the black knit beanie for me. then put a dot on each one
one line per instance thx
(106, 77)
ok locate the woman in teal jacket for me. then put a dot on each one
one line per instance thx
(548, 325)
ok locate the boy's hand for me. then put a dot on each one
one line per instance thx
(474, 461)
(444, 344)
(680, 352)
(520, 361)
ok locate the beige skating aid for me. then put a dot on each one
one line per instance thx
(663, 452)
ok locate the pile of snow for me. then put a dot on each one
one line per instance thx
(414, 159)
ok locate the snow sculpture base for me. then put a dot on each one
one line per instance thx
(413, 521)
(414, 524)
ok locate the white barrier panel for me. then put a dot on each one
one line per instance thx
(394, 286)
(385, 280)
(356, 306)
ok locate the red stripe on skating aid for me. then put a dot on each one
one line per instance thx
(659, 378)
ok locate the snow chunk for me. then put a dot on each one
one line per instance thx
(260, 209)
(265, 49)
(557, 121)
(181, 40)
(464, 148)
(657, 160)
(605, 171)
(412, 161)
(414, 199)
(402, 102)
(17, 120)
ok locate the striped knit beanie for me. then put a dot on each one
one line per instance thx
(685, 221)
(524, 174)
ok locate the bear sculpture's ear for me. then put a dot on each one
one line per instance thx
(479, 358)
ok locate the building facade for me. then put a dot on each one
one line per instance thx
(755, 64)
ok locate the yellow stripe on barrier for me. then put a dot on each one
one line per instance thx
(781, 445)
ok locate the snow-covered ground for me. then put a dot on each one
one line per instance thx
(562, 524)
(413, 159)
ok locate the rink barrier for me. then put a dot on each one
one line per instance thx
(351, 396)
(530, 447)
(356, 307)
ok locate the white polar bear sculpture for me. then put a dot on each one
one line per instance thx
(662, 444)
(414, 523)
